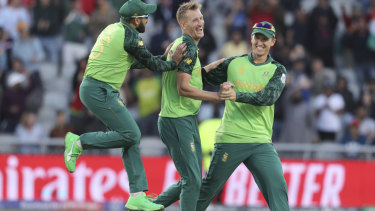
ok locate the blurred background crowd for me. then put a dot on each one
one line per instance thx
(327, 46)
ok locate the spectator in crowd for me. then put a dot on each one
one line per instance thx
(61, 127)
(75, 35)
(13, 15)
(367, 101)
(103, 15)
(29, 132)
(47, 22)
(260, 10)
(328, 108)
(366, 124)
(355, 40)
(236, 19)
(322, 24)
(161, 40)
(33, 85)
(298, 74)
(236, 46)
(299, 116)
(299, 28)
(320, 76)
(163, 14)
(88, 6)
(13, 102)
(28, 49)
(346, 93)
(353, 140)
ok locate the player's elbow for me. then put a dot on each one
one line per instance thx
(183, 91)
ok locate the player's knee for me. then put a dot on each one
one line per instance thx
(196, 184)
(136, 136)
(132, 137)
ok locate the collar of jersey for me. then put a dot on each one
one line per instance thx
(124, 23)
(189, 39)
(251, 59)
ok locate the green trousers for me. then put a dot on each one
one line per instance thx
(263, 163)
(181, 136)
(105, 102)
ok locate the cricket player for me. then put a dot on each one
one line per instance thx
(182, 95)
(118, 49)
(244, 135)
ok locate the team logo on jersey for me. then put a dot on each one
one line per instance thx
(192, 146)
(266, 73)
(140, 43)
(120, 102)
(283, 78)
(225, 157)
(188, 61)
(241, 69)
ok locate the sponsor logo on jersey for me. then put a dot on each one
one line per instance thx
(266, 73)
(225, 157)
(248, 86)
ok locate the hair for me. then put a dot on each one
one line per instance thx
(191, 5)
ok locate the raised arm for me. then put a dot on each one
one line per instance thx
(134, 45)
(214, 75)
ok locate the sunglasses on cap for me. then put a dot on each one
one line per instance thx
(264, 26)
(140, 16)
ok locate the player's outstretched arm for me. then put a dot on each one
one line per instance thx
(134, 46)
(215, 73)
(186, 90)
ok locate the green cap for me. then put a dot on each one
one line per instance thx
(136, 8)
(265, 28)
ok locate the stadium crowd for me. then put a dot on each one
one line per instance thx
(327, 46)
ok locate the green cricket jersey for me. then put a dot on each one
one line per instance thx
(258, 86)
(172, 104)
(116, 50)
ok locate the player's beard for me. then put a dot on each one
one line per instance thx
(141, 27)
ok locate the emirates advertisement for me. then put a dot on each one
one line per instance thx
(103, 179)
